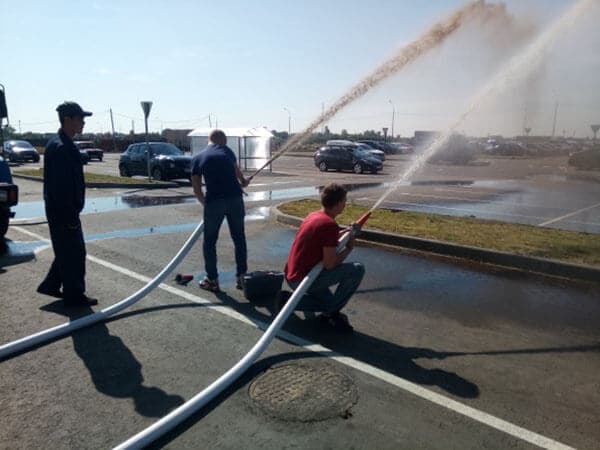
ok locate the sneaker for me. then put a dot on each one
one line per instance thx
(209, 285)
(239, 282)
(337, 321)
(82, 300)
(51, 292)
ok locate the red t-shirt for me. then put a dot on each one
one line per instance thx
(318, 230)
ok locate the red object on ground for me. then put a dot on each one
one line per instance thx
(183, 279)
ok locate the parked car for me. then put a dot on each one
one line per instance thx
(9, 196)
(20, 151)
(380, 155)
(91, 149)
(586, 159)
(346, 157)
(402, 148)
(367, 148)
(379, 145)
(85, 157)
(167, 162)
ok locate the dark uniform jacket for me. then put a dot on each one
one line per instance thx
(64, 187)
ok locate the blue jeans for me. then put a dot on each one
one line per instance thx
(319, 297)
(215, 211)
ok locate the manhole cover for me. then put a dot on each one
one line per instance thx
(304, 393)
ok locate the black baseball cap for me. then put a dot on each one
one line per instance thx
(71, 109)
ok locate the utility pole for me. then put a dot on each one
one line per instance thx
(112, 124)
(393, 117)
(209, 121)
(554, 121)
(132, 126)
(289, 122)
(19, 126)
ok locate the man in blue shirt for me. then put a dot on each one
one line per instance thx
(223, 199)
(64, 197)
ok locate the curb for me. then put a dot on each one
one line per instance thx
(154, 185)
(543, 266)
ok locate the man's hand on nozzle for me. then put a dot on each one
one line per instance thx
(356, 228)
(245, 182)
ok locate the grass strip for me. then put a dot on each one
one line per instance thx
(92, 177)
(529, 240)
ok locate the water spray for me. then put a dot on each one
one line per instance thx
(519, 66)
(408, 54)
(178, 415)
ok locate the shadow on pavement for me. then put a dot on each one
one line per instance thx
(113, 367)
(255, 370)
(376, 352)
(371, 350)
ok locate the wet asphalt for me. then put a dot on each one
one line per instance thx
(522, 348)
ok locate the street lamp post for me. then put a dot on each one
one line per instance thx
(146, 107)
(289, 121)
(393, 117)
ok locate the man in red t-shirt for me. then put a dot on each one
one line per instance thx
(315, 242)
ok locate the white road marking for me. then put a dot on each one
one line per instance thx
(426, 394)
(37, 237)
(543, 224)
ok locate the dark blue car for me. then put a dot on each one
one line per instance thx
(167, 162)
(342, 157)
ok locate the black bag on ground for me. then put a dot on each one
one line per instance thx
(262, 284)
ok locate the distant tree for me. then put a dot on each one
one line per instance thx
(344, 133)
(9, 131)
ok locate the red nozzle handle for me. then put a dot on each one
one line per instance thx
(363, 218)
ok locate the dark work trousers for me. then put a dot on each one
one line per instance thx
(215, 212)
(68, 267)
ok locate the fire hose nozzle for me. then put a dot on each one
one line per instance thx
(364, 218)
(357, 226)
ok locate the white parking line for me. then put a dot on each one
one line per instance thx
(415, 389)
(543, 224)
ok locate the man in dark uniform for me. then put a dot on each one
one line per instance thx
(64, 196)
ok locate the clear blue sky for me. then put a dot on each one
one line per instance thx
(244, 62)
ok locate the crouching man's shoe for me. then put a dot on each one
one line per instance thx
(337, 321)
(81, 300)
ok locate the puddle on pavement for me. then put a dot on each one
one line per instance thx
(17, 252)
(31, 210)
(16, 249)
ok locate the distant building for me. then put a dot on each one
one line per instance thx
(252, 146)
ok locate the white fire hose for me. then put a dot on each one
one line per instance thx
(181, 413)
(66, 328)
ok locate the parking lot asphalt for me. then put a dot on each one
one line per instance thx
(536, 191)
(445, 354)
